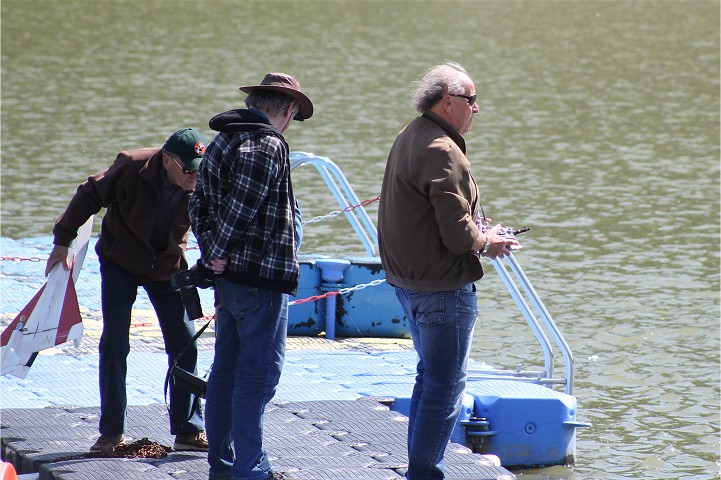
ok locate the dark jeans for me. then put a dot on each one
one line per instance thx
(442, 329)
(119, 290)
(249, 353)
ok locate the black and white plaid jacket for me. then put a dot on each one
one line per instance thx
(243, 208)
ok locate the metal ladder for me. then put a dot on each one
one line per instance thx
(344, 195)
(539, 329)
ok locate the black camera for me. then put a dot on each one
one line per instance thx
(188, 282)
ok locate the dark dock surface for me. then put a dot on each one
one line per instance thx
(329, 420)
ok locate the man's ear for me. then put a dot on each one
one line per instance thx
(166, 161)
(292, 107)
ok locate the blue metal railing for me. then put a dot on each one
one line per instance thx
(366, 231)
(344, 195)
(539, 329)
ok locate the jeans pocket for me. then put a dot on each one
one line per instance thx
(428, 307)
(467, 301)
(238, 300)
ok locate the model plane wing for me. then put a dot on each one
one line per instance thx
(52, 316)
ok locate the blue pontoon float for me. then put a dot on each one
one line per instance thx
(515, 414)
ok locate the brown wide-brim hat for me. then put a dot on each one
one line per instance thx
(284, 83)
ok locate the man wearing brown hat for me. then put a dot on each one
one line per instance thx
(142, 243)
(245, 218)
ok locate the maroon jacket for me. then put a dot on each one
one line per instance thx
(130, 190)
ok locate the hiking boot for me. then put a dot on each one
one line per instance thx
(196, 441)
(107, 443)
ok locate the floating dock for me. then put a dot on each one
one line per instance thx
(330, 418)
(340, 405)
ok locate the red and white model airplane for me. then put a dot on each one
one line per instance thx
(51, 318)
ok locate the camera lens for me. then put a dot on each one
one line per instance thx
(191, 301)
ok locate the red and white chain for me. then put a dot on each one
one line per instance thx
(342, 291)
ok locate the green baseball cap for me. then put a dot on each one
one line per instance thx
(188, 145)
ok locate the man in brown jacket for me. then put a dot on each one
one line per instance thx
(430, 244)
(142, 243)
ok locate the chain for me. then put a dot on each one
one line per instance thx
(18, 259)
(342, 291)
(314, 298)
(335, 213)
(347, 209)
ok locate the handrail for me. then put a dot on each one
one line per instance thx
(366, 231)
(545, 317)
(344, 195)
(528, 315)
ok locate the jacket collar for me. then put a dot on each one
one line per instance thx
(446, 127)
(152, 171)
(242, 120)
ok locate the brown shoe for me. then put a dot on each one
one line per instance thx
(191, 441)
(282, 476)
(107, 443)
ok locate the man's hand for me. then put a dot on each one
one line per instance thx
(499, 245)
(59, 254)
(218, 265)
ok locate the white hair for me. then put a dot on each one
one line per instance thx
(437, 80)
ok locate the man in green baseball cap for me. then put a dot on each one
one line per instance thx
(142, 242)
(188, 145)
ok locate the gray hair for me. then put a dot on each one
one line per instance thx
(268, 101)
(438, 80)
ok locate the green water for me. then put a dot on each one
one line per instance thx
(598, 128)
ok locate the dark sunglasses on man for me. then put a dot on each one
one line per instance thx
(470, 98)
(182, 168)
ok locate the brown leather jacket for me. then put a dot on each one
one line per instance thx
(130, 190)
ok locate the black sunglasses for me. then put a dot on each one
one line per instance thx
(182, 168)
(471, 98)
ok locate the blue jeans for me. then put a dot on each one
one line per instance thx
(442, 328)
(119, 290)
(251, 330)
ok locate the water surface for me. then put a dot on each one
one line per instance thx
(598, 128)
